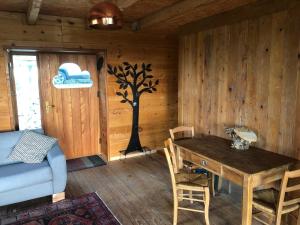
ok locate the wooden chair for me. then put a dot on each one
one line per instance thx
(189, 132)
(197, 187)
(182, 132)
(274, 204)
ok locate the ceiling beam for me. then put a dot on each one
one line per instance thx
(33, 10)
(170, 12)
(123, 4)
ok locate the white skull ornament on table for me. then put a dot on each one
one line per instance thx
(242, 137)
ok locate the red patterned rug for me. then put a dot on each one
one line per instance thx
(88, 209)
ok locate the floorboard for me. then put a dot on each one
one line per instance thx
(138, 191)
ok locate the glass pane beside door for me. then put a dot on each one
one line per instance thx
(25, 72)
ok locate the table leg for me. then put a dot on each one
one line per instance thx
(247, 201)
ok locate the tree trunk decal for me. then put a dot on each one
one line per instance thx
(139, 82)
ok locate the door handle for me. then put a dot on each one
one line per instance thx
(48, 106)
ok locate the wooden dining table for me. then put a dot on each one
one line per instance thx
(248, 168)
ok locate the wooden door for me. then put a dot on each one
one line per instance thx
(72, 114)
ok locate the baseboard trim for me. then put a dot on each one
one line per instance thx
(131, 155)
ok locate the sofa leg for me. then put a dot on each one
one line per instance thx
(58, 197)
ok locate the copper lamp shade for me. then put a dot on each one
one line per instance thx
(105, 15)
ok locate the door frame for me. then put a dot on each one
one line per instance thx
(102, 86)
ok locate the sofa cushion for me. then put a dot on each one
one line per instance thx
(32, 147)
(8, 141)
(20, 175)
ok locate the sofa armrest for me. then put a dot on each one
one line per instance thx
(57, 161)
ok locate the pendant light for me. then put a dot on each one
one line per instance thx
(105, 15)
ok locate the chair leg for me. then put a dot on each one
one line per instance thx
(229, 187)
(191, 196)
(213, 184)
(175, 212)
(220, 183)
(206, 206)
(278, 219)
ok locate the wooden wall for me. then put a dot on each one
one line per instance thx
(158, 110)
(6, 114)
(245, 73)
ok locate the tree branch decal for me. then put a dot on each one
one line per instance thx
(125, 97)
(139, 81)
(128, 76)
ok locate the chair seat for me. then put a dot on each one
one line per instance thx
(185, 176)
(191, 179)
(266, 201)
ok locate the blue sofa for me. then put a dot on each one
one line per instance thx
(22, 181)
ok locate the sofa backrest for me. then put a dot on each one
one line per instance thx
(8, 141)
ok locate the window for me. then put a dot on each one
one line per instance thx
(25, 73)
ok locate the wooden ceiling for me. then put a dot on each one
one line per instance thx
(163, 15)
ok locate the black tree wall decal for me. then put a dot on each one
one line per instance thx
(139, 82)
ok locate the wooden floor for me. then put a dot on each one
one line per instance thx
(138, 191)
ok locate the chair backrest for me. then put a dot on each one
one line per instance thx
(172, 164)
(289, 193)
(182, 132)
(171, 153)
(172, 161)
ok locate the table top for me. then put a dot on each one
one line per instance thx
(251, 161)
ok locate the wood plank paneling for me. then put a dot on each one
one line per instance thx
(246, 73)
(5, 101)
(158, 110)
(86, 120)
